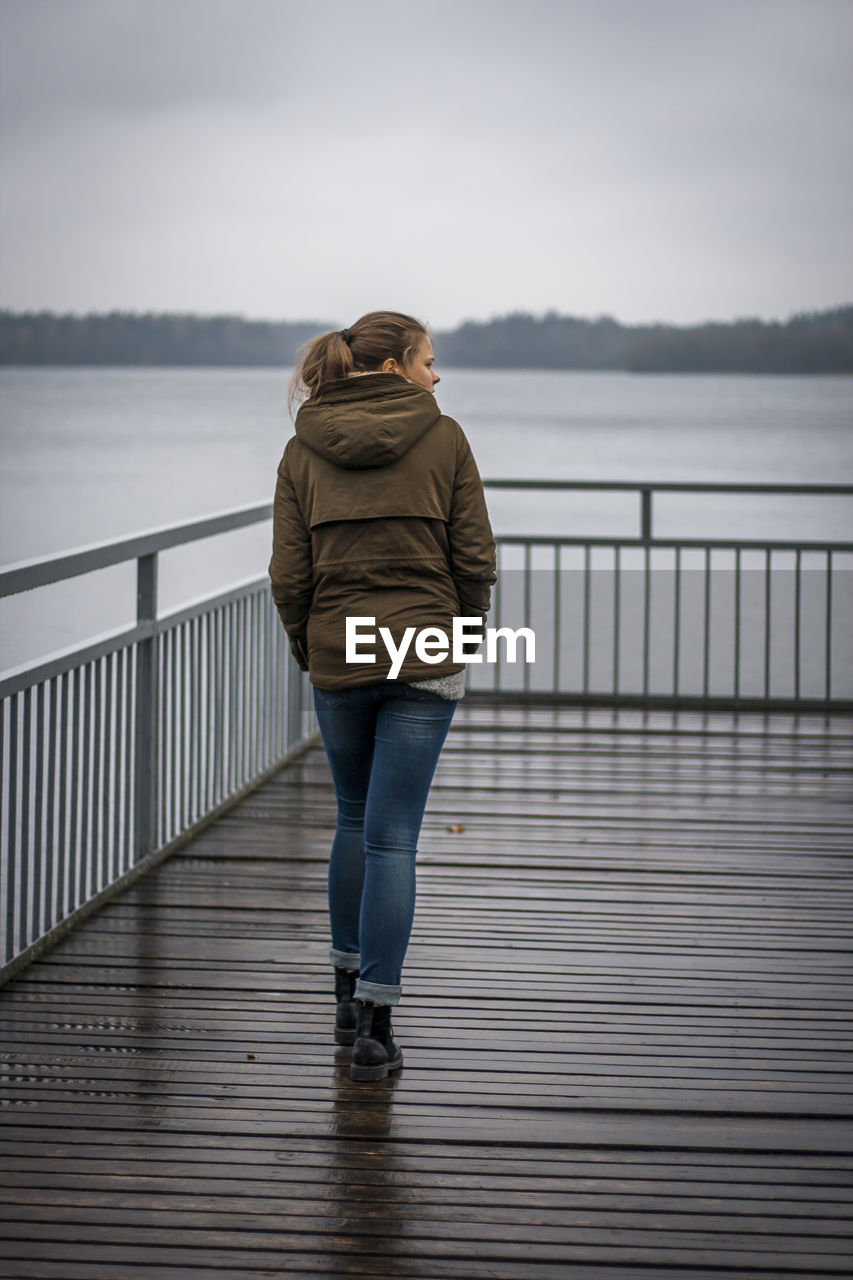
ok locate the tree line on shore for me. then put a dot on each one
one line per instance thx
(810, 342)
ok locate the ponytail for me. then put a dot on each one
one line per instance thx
(363, 348)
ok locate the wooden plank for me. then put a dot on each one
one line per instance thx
(627, 1023)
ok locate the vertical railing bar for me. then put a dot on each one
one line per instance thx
(196, 719)
(97, 779)
(222, 667)
(248, 670)
(798, 564)
(217, 702)
(646, 516)
(118, 780)
(587, 565)
(260, 686)
(284, 687)
(273, 630)
(162, 732)
(617, 613)
(266, 702)
(528, 589)
(829, 626)
(558, 611)
(266, 683)
(84, 869)
(64, 842)
(166, 713)
(174, 716)
(174, 719)
(247, 664)
(179, 725)
(239, 657)
(237, 660)
(647, 589)
(767, 610)
(251, 682)
(676, 636)
(106, 805)
(13, 865)
(237, 652)
(163, 738)
(25, 913)
(248, 688)
(129, 738)
(257, 699)
(203, 713)
(75, 694)
(278, 634)
(209, 701)
(192, 764)
(256, 685)
(269, 679)
(229, 758)
(290, 680)
(706, 627)
(39, 879)
(290, 697)
(737, 621)
(51, 863)
(184, 726)
(233, 694)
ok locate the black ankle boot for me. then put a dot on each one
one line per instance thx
(345, 1015)
(375, 1053)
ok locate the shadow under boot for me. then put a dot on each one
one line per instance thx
(346, 1019)
(375, 1053)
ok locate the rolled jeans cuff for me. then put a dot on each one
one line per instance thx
(350, 960)
(377, 992)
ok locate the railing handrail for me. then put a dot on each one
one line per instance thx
(42, 571)
(674, 486)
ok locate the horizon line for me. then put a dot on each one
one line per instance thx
(324, 325)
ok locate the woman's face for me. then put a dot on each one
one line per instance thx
(419, 368)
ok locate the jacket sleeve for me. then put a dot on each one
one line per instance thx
(472, 545)
(291, 566)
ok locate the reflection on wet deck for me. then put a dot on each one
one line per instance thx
(625, 1025)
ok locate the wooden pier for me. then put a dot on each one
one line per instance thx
(626, 1025)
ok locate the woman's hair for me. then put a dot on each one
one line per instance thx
(363, 348)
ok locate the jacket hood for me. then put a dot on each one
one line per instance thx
(368, 421)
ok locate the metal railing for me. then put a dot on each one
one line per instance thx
(726, 622)
(114, 753)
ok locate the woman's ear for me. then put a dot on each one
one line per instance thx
(390, 366)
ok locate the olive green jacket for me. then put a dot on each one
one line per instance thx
(379, 513)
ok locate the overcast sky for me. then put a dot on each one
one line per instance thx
(676, 160)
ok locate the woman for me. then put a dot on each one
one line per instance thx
(380, 531)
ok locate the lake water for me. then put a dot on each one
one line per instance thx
(90, 454)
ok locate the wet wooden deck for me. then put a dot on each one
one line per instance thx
(625, 1025)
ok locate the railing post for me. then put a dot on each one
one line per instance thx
(145, 762)
(646, 516)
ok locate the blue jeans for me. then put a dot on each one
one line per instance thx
(383, 742)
